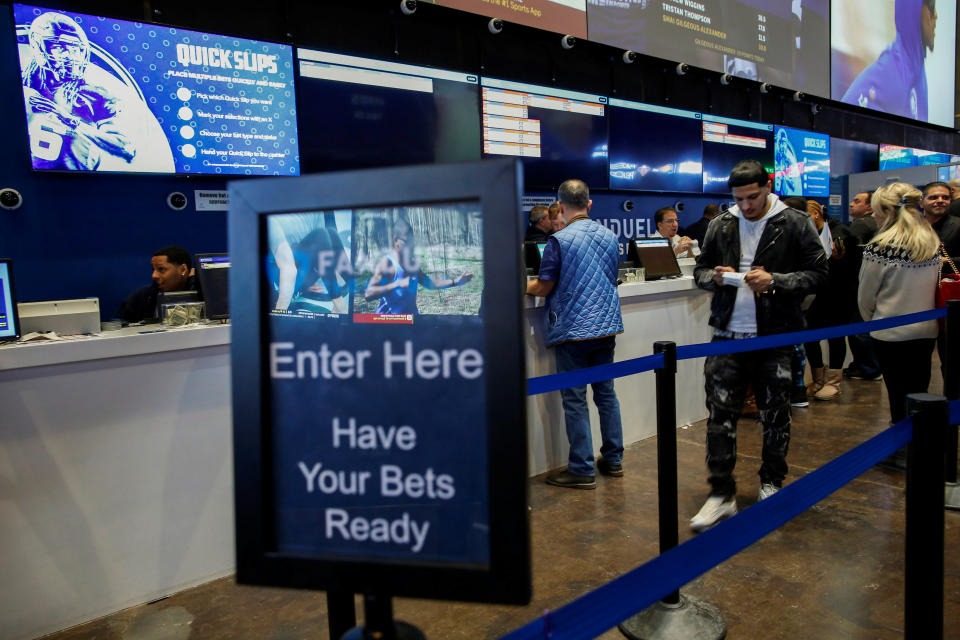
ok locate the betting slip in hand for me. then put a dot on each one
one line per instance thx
(733, 279)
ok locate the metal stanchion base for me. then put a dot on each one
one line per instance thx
(402, 630)
(951, 497)
(691, 619)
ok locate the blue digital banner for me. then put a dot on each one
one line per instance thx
(377, 384)
(7, 328)
(113, 95)
(802, 163)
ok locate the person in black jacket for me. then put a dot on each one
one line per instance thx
(541, 226)
(172, 271)
(760, 259)
(698, 230)
(936, 201)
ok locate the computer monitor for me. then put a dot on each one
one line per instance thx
(656, 257)
(532, 255)
(213, 274)
(9, 320)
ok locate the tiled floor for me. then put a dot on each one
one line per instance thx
(836, 571)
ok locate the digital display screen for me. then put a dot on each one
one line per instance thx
(372, 113)
(654, 148)
(895, 56)
(560, 16)
(213, 271)
(112, 95)
(783, 42)
(802, 163)
(948, 173)
(558, 134)
(8, 327)
(895, 157)
(726, 142)
(390, 294)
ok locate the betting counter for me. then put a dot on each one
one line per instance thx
(118, 472)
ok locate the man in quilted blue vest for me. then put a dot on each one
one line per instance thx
(578, 277)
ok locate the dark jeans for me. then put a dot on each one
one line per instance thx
(726, 378)
(577, 355)
(906, 369)
(838, 353)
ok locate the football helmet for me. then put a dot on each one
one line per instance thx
(59, 46)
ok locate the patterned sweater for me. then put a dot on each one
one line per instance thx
(892, 285)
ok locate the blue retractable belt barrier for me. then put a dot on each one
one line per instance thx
(588, 375)
(605, 607)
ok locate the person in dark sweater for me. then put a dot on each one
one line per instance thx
(172, 271)
(698, 230)
(540, 225)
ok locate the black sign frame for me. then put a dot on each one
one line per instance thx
(497, 185)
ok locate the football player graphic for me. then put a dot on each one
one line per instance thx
(72, 123)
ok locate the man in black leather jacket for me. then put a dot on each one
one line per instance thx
(760, 258)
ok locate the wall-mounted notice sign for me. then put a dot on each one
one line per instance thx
(378, 417)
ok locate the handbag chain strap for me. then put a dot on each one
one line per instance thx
(943, 252)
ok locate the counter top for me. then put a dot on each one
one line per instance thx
(130, 341)
(638, 289)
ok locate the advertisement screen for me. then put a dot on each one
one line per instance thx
(558, 134)
(8, 323)
(561, 16)
(372, 113)
(802, 163)
(654, 148)
(112, 95)
(895, 157)
(895, 56)
(783, 42)
(726, 142)
(378, 344)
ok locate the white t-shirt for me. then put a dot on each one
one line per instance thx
(744, 318)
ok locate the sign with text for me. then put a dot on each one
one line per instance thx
(374, 398)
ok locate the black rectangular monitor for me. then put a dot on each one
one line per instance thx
(9, 320)
(127, 96)
(532, 255)
(351, 474)
(655, 148)
(656, 257)
(558, 134)
(213, 275)
(372, 113)
(727, 141)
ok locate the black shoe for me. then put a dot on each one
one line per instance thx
(608, 469)
(798, 397)
(897, 461)
(856, 373)
(572, 480)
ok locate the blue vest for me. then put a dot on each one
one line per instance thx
(584, 303)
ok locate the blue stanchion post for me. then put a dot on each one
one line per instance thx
(923, 574)
(675, 617)
(951, 389)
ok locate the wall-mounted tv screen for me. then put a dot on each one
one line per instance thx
(655, 148)
(9, 322)
(558, 134)
(112, 95)
(561, 16)
(726, 142)
(783, 42)
(950, 172)
(801, 163)
(372, 113)
(895, 56)
(896, 157)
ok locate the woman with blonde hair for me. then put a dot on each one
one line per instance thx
(898, 276)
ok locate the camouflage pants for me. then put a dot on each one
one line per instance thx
(726, 377)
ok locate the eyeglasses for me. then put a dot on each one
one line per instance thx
(674, 221)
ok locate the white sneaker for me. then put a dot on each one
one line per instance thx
(766, 490)
(715, 509)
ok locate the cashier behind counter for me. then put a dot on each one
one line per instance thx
(172, 271)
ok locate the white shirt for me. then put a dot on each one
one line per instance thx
(744, 318)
